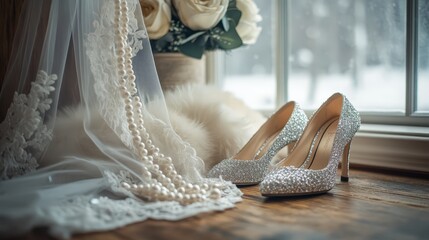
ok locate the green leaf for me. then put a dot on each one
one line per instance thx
(230, 40)
(232, 4)
(192, 50)
(233, 14)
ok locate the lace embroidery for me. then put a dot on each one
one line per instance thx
(85, 213)
(23, 136)
(103, 213)
(106, 87)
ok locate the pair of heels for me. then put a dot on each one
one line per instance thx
(291, 155)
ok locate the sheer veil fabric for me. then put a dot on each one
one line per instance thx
(65, 56)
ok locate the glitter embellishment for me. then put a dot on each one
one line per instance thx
(301, 181)
(252, 171)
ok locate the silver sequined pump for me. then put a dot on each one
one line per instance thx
(290, 121)
(313, 177)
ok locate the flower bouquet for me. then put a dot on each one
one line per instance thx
(194, 26)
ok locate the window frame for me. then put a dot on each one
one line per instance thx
(386, 140)
(411, 117)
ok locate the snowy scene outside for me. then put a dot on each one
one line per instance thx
(354, 47)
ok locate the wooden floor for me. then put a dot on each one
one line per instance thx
(370, 206)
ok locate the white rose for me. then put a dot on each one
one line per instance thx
(247, 28)
(201, 14)
(157, 17)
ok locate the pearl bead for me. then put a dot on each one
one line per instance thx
(181, 190)
(122, 82)
(138, 105)
(215, 194)
(171, 186)
(120, 59)
(168, 168)
(179, 196)
(128, 107)
(163, 195)
(189, 186)
(171, 196)
(130, 115)
(193, 197)
(167, 180)
(135, 133)
(141, 145)
(144, 152)
(173, 173)
(155, 167)
(126, 94)
(137, 139)
(121, 72)
(121, 66)
(196, 188)
(125, 185)
(157, 172)
(146, 174)
(123, 89)
(178, 179)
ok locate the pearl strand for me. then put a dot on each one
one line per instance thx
(164, 183)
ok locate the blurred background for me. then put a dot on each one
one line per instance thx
(357, 47)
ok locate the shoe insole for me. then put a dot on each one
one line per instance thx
(307, 149)
(324, 149)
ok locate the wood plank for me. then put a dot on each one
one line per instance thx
(370, 206)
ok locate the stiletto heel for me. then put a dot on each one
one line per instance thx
(249, 165)
(312, 166)
(345, 164)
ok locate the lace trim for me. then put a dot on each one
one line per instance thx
(104, 69)
(106, 87)
(23, 136)
(104, 213)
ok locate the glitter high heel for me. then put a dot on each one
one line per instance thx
(247, 167)
(311, 167)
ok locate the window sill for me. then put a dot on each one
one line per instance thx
(404, 148)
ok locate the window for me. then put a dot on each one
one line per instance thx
(254, 66)
(376, 52)
(360, 48)
(423, 57)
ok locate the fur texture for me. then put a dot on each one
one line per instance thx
(214, 122)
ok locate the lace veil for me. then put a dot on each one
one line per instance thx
(66, 147)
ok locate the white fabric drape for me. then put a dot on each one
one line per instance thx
(65, 171)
